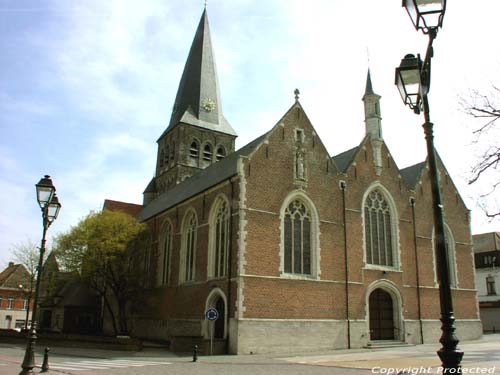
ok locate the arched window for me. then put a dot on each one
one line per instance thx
(172, 151)
(194, 150)
(162, 155)
(166, 156)
(207, 152)
(219, 238)
(450, 255)
(379, 236)
(165, 253)
(221, 153)
(188, 247)
(297, 238)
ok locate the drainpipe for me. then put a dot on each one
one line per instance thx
(346, 274)
(419, 311)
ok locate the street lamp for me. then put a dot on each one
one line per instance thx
(413, 78)
(50, 206)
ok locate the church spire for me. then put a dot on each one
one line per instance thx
(198, 100)
(373, 119)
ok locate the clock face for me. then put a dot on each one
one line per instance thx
(208, 104)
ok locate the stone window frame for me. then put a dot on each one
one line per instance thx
(204, 153)
(394, 217)
(213, 251)
(220, 155)
(193, 150)
(189, 234)
(165, 262)
(450, 254)
(10, 303)
(314, 237)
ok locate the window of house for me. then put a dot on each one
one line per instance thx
(221, 153)
(166, 253)
(490, 286)
(207, 152)
(194, 150)
(378, 230)
(188, 247)
(25, 304)
(219, 238)
(165, 157)
(10, 303)
(297, 238)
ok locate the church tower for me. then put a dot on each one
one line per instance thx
(198, 134)
(373, 119)
(373, 122)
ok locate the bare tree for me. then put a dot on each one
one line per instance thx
(27, 254)
(485, 107)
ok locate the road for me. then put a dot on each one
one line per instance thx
(481, 356)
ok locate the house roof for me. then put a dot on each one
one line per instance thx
(128, 208)
(201, 181)
(13, 276)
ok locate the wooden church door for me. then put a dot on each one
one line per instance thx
(381, 315)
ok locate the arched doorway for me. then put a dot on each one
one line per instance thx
(217, 300)
(220, 323)
(382, 325)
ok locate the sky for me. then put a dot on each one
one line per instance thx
(87, 87)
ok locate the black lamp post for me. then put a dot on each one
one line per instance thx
(47, 199)
(413, 78)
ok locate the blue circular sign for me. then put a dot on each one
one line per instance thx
(212, 314)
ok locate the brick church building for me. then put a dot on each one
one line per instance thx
(296, 249)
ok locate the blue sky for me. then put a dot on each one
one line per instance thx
(86, 88)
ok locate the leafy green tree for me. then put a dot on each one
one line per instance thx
(102, 249)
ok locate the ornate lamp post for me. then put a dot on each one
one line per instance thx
(413, 78)
(47, 199)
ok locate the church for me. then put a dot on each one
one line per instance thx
(296, 249)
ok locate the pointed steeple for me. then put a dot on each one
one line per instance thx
(369, 88)
(198, 99)
(373, 123)
(373, 119)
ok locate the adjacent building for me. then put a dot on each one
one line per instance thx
(295, 248)
(15, 286)
(487, 257)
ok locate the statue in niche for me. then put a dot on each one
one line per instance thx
(300, 165)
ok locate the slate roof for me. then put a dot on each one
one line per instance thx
(128, 208)
(344, 159)
(13, 276)
(412, 173)
(201, 181)
(198, 84)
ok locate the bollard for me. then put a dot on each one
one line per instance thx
(195, 353)
(45, 364)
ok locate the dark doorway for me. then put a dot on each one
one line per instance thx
(381, 316)
(220, 322)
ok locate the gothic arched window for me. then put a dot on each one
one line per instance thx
(297, 235)
(194, 150)
(165, 253)
(162, 154)
(379, 237)
(188, 247)
(221, 153)
(219, 238)
(207, 152)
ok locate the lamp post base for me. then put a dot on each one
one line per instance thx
(450, 355)
(29, 356)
